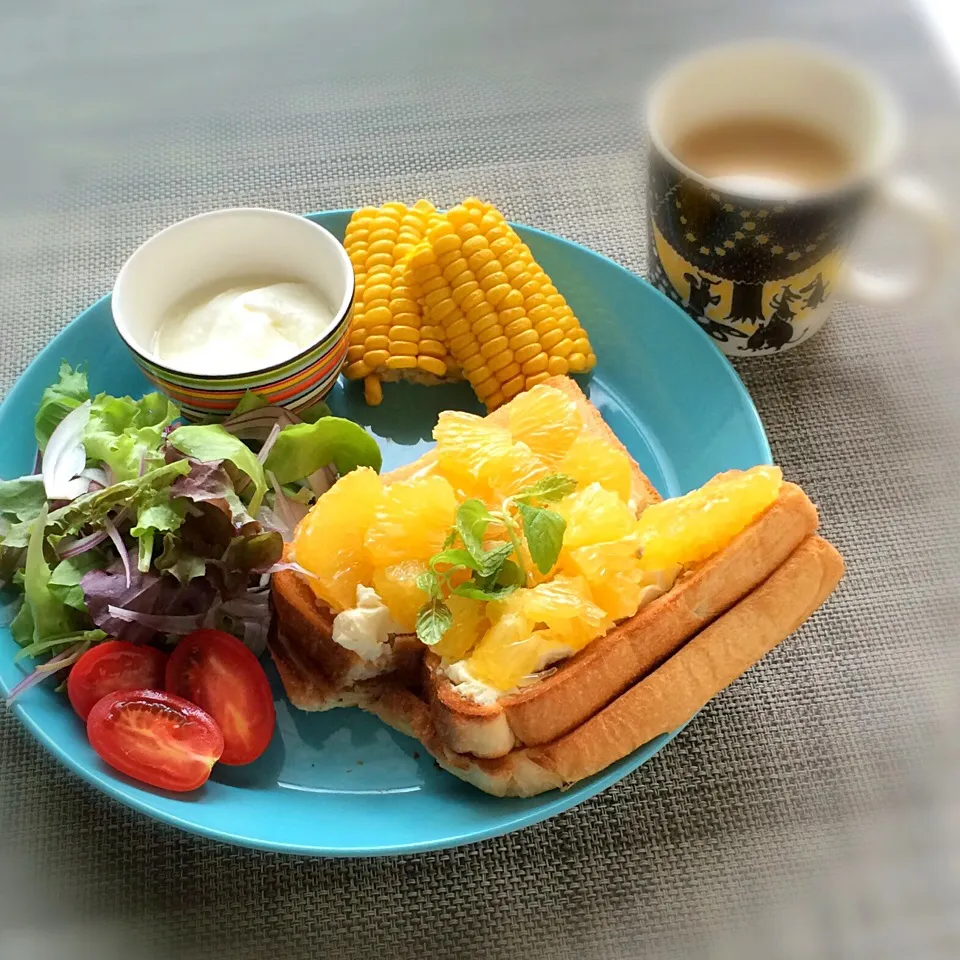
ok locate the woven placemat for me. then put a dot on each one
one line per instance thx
(811, 809)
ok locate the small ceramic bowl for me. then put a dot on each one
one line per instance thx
(221, 246)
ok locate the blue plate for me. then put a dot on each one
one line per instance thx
(341, 783)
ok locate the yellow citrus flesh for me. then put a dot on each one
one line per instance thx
(613, 572)
(397, 587)
(566, 607)
(467, 446)
(329, 540)
(515, 471)
(411, 521)
(469, 623)
(546, 420)
(591, 459)
(686, 530)
(595, 515)
(535, 627)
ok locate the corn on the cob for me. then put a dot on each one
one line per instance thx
(455, 295)
(388, 336)
(506, 324)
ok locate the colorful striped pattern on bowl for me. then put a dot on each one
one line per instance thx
(296, 384)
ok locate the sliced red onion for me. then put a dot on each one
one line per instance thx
(268, 443)
(257, 424)
(72, 548)
(62, 660)
(159, 622)
(65, 457)
(114, 534)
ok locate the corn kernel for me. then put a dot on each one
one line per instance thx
(578, 362)
(372, 390)
(376, 358)
(537, 365)
(549, 340)
(495, 346)
(357, 370)
(495, 400)
(513, 327)
(485, 387)
(432, 348)
(377, 343)
(526, 353)
(512, 387)
(497, 293)
(557, 366)
(432, 365)
(508, 372)
(500, 360)
(402, 363)
(563, 349)
(524, 339)
(536, 378)
(410, 334)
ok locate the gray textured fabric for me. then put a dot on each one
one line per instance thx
(813, 809)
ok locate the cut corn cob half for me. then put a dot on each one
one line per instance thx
(389, 338)
(505, 323)
(453, 296)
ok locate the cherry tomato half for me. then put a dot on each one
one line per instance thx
(155, 737)
(114, 665)
(218, 673)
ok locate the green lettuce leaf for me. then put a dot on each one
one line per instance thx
(58, 400)
(43, 615)
(179, 561)
(249, 401)
(66, 576)
(161, 516)
(211, 442)
(21, 501)
(303, 448)
(122, 432)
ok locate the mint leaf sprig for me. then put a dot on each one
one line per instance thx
(493, 574)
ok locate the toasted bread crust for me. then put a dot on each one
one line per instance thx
(607, 666)
(662, 701)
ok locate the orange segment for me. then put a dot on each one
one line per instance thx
(329, 540)
(546, 420)
(397, 587)
(595, 515)
(591, 459)
(688, 529)
(411, 521)
(469, 623)
(467, 447)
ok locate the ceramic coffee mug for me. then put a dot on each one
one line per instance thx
(757, 264)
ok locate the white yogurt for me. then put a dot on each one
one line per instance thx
(244, 326)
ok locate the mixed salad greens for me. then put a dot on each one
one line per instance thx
(138, 526)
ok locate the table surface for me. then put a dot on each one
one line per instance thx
(812, 809)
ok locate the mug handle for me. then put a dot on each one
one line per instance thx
(912, 200)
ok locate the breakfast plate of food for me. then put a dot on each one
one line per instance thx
(382, 531)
